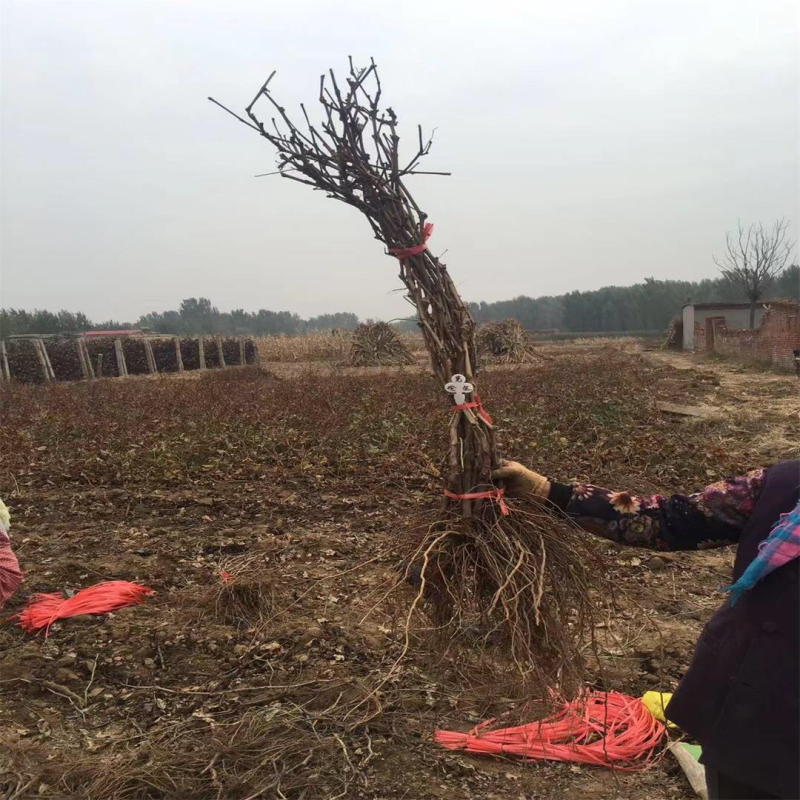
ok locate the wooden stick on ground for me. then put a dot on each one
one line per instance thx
(201, 352)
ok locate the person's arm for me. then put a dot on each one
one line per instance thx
(711, 518)
(10, 573)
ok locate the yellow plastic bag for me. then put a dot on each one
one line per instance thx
(655, 703)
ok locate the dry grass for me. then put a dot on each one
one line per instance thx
(324, 346)
(626, 344)
(331, 347)
(778, 443)
(246, 592)
(292, 745)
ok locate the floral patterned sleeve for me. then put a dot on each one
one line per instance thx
(711, 518)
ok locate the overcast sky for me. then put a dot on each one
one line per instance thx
(591, 143)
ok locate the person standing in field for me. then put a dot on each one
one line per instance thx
(10, 573)
(739, 698)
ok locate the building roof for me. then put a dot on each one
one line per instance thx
(720, 306)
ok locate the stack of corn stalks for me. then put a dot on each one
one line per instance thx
(504, 342)
(674, 340)
(377, 344)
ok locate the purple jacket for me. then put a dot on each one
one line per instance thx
(739, 698)
(740, 695)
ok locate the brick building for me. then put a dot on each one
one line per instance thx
(737, 315)
(772, 342)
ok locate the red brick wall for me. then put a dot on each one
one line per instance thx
(699, 337)
(772, 342)
(782, 333)
(711, 325)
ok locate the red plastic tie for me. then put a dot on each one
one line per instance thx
(475, 404)
(492, 494)
(406, 252)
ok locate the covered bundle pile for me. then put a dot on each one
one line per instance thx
(164, 354)
(190, 353)
(377, 344)
(63, 354)
(522, 572)
(230, 349)
(135, 356)
(103, 345)
(23, 361)
(211, 352)
(504, 342)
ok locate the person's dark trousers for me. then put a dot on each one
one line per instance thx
(723, 787)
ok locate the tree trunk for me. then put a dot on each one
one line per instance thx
(753, 301)
(449, 333)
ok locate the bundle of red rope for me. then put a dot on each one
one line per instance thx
(42, 610)
(601, 728)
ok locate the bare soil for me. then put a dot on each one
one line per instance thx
(304, 487)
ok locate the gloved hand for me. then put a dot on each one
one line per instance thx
(5, 518)
(521, 481)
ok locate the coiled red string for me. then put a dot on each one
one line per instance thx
(43, 610)
(607, 729)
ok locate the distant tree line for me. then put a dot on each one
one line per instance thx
(195, 315)
(19, 321)
(647, 306)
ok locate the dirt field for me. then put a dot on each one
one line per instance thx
(303, 485)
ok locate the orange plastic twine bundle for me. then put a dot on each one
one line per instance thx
(608, 729)
(42, 610)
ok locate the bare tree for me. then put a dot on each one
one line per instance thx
(754, 257)
(528, 570)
